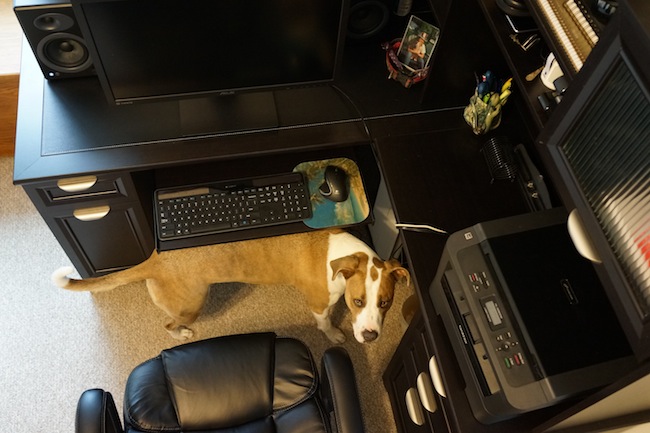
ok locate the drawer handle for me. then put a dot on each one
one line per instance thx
(76, 184)
(425, 390)
(436, 378)
(414, 407)
(91, 213)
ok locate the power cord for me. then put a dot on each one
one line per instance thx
(356, 108)
(414, 227)
(420, 228)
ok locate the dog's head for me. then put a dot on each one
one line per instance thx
(370, 286)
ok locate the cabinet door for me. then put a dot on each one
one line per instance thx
(102, 238)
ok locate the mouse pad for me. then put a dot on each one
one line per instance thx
(326, 213)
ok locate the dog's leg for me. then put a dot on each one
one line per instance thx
(182, 306)
(324, 323)
(178, 331)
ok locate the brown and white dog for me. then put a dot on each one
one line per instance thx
(323, 265)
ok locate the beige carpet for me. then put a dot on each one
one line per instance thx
(55, 344)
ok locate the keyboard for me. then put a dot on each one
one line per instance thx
(231, 205)
(573, 27)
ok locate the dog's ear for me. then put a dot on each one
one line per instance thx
(398, 272)
(346, 266)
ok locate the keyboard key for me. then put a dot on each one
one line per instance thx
(204, 228)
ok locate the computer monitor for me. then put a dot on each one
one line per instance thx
(152, 50)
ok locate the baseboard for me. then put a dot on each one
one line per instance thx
(8, 108)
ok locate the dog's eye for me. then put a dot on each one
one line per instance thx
(384, 304)
(358, 302)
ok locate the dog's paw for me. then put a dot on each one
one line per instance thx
(182, 333)
(335, 335)
(186, 333)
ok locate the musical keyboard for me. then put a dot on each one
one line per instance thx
(572, 26)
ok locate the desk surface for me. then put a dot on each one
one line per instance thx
(439, 177)
(67, 128)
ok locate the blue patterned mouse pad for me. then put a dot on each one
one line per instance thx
(326, 212)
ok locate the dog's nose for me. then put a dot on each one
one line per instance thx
(369, 335)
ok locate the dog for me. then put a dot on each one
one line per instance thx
(324, 265)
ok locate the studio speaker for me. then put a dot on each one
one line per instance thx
(55, 38)
(367, 18)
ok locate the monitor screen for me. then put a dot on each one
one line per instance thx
(154, 49)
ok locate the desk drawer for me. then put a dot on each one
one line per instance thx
(103, 223)
(84, 188)
(417, 407)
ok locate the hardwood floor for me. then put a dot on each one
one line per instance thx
(8, 105)
(10, 43)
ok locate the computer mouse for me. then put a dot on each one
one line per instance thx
(335, 184)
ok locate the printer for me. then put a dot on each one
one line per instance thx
(527, 316)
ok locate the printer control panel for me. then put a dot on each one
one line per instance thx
(489, 320)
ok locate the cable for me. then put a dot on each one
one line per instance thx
(356, 108)
(420, 227)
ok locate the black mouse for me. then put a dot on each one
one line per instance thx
(335, 186)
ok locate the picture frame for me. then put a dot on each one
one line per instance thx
(418, 43)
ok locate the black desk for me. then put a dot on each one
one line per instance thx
(430, 160)
(439, 177)
(67, 131)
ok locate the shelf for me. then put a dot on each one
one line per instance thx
(553, 41)
(520, 62)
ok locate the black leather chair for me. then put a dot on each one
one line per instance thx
(242, 383)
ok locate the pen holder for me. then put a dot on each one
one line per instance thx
(483, 116)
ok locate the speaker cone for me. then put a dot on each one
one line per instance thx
(64, 53)
(53, 22)
(367, 18)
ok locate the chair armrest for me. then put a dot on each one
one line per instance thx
(96, 413)
(339, 391)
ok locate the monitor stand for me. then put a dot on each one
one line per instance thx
(228, 113)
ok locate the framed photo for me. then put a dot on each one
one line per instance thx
(418, 43)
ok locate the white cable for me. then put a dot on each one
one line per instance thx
(419, 227)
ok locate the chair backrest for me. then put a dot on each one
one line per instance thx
(223, 383)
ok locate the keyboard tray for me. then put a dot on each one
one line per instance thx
(226, 206)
